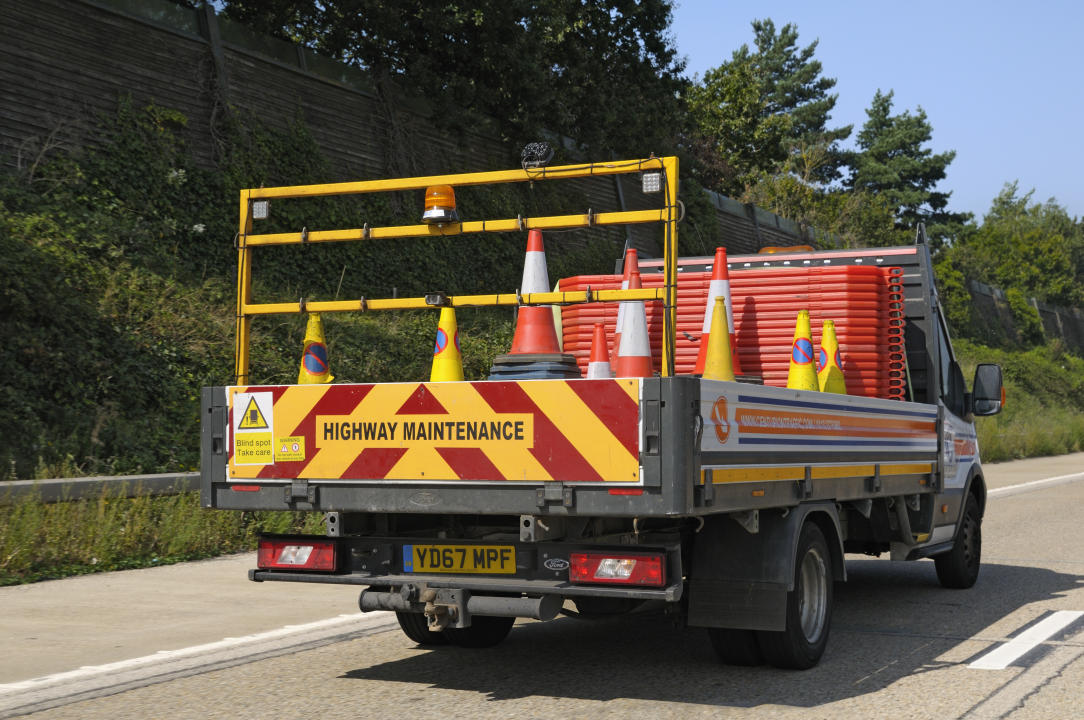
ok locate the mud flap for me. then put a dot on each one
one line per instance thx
(740, 580)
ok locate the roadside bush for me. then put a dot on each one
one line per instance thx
(117, 303)
(1044, 406)
(39, 541)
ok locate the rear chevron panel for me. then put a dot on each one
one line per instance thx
(534, 430)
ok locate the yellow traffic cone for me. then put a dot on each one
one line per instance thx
(314, 368)
(802, 375)
(447, 359)
(830, 365)
(719, 287)
(718, 362)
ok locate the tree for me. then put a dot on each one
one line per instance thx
(603, 72)
(733, 138)
(854, 218)
(1032, 247)
(795, 87)
(891, 161)
(755, 110)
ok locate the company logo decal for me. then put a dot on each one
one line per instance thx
(720, 418)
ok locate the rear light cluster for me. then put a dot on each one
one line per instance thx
(297, 554)
(649, 570)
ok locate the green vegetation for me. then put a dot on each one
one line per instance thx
(1044, 405)
(753, 112)
(39, 541)
(604, 73)
(117, 303)
(892, 163)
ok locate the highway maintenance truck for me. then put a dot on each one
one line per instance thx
(728, 497)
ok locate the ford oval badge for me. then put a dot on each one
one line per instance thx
(556, 564)
(425, 499)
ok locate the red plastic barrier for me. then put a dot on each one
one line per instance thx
(865, 302)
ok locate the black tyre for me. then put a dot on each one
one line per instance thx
(959, 567)
(416, 627)
(736, 647)
(484, 631)
(809, 607)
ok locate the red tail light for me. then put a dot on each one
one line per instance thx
(622, 569)
(299, 554)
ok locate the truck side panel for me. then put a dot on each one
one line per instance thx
(756, 436)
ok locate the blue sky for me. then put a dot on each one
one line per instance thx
(1001, 83)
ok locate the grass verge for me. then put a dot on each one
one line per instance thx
(1044, 405)
(42, 541)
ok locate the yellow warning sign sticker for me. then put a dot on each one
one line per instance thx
(253, 448)
(253, 428)
(252, 418)
(290, 448)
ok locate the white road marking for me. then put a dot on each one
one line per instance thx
(1001, 657)
(1012, 695)
(341, 623)
(1035, 485)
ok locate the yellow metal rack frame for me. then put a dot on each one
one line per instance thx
(668, 215)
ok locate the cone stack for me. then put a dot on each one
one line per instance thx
(718, 363)
(447, 357)
(535, 332)
(634, 354)
(314, 366)
(631, 261)
(718, 287)
(535, 353)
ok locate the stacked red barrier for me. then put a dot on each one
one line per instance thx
(865, 302)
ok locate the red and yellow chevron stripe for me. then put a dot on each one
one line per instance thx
(537, 430)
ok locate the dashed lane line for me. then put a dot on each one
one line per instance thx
(1001, 657)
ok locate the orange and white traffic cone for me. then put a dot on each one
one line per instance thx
(719, 362)
(830, 365)
(598, 366)
(447, 358)
(314, 367)
(535, 332)
(631, 261)
(634, 354)
(802, 375)
(719, 287)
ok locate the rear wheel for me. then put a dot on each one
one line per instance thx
(959, 567)
(484, 631)
(416, 627)
(736, 647)
(809, 607)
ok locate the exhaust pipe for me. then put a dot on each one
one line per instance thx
(542, 608)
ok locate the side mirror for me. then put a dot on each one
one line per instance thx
(988, 392)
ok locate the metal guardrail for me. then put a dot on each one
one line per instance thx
(66, 489)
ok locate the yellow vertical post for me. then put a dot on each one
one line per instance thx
(244, 292)
(670, 258)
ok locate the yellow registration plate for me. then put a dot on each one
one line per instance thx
(495, 559)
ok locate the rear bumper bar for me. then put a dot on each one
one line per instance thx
(481, 586)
